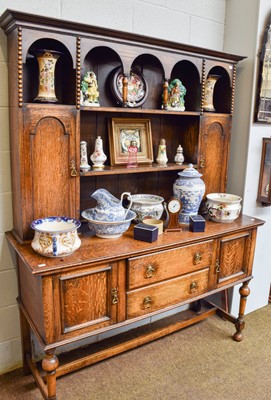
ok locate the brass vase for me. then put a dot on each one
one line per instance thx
(47, 60)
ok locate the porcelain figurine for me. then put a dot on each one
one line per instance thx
(89, 90)
(108, 207)
(162, 153)
(176, 93)
(179, 158)
(84, 166)
(189, 188)
(98, 157)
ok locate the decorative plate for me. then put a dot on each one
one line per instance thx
(137, 87)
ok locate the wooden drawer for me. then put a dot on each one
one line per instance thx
(164, 294)
(168, 264)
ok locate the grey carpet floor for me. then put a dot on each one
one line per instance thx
(201, 362)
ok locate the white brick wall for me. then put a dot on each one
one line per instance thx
(198, 22)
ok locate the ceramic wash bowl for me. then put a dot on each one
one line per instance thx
(147, 206)
(55, 236)
(223, 207)
(107, 229)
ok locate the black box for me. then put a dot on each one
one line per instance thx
(196, 223)
(146, 233)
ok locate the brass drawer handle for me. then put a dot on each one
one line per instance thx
(147, 302)
(217, 266)
(114, 294)
(197, 258)
(150, 271)
(193, 287)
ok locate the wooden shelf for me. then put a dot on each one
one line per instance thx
(120, 170)
(138, 111)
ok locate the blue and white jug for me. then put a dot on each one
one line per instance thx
(189, 188)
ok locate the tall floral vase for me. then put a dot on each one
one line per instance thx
(47, 60)
(208, 104)
(189, 189)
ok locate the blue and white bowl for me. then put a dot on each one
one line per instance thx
(108, 229)
(55, 236)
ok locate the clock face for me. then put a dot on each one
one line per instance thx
(174, 206)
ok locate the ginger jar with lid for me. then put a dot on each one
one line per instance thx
(189, 188)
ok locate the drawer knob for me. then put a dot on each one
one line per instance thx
(150, 271)
(147, 302)
(193, 287)
(197, 258)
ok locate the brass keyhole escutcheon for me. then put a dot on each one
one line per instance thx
(73, 168)
(114, 294)
(150, 271)
(147, 302)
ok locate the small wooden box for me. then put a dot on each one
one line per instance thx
(146, 233)
(196, 223)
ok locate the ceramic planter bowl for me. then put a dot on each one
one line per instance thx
(223, 207)
(147, 206)
(108, 229)
(55, 236)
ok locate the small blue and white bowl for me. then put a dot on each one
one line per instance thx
(108, 229)
(55, 236)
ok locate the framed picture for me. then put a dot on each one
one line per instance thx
(126, 132)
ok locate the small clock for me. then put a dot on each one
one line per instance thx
(173, 208)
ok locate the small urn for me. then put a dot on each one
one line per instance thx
(98, 157)
(162, 153)
(179, 158)
(84, 166)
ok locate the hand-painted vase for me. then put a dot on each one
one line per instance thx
(47, 60)
(162, 153)
(84, 165)
(209, 93)
(189, 188)
(98, 157)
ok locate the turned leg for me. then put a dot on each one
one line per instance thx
(49, 365)
(240, 323)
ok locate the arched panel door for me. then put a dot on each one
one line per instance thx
(214, 151)
(49, 147)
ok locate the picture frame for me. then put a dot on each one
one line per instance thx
(124, 131)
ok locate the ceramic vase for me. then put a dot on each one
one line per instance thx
(47, 60)
(162, 153)
(179, 158)
(84, 166)
(189, 188)
(98, 157)
(209, 93)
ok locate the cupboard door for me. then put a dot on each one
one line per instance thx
(88, 299)
(234, 261)
(214, 151)
(48, 158)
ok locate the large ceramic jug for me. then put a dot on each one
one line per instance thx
(189, 188)
(109, 208)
